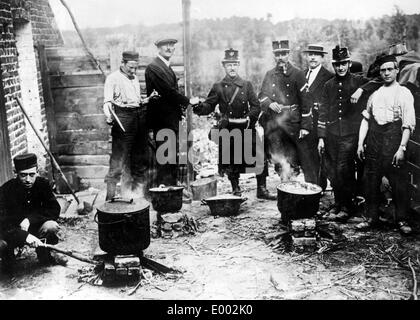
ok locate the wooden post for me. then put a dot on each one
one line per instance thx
(6, 172)
(186, 5)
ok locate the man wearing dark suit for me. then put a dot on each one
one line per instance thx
(316, 76)
(166, 112)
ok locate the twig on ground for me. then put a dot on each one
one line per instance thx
(195, 250)
(135, 288)
(414, 280)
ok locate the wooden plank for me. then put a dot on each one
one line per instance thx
(88, 100)
(87, 172)
(75, 121)
(77, 136)
(71, 160)
(85, 148)
(75, 81)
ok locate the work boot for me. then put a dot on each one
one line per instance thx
(236, 190)
(111, 188)
(262, 192)
(45, 258)
(405, 228)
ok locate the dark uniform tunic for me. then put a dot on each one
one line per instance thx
(286, 87)
(244, 105)
(37, 204)
(314, 95)
(339, 122)
(165, 112)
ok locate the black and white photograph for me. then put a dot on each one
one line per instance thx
(228, 152)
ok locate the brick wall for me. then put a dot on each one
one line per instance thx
(23, 25)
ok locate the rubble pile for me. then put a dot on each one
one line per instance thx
(172, 225)
(303, 234)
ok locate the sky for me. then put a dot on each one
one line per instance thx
(112, 13)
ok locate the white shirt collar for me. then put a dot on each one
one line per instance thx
(164, 60)
(314, 73)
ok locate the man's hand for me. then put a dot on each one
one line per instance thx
(361, 152)
(398, 158)
(275, 107)
(303, 133)
(321, 146)
(107, 111)
(194, 100)
(33, 241)
(24, 225)
(356, 95)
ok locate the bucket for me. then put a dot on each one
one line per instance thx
(204, 188)
(298, 200)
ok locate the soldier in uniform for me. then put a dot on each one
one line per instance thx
(286, 116)
(388, 122)
(240, 108)
(28, 213)
(316, 76)
(165, 112)
(338, 125)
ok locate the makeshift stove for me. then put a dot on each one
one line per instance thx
(172, 225)
(303, 234)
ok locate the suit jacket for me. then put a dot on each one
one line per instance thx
(166, 111)
(286, 89)
(314, 93)
(245, 103)
(37, 204)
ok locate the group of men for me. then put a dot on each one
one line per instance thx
(313, 120)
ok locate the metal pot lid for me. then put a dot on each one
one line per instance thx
(163, 188)
(123, 206)
(224, 197)
(298, 187)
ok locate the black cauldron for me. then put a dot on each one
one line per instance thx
(124, 226)
(224, 205)
(166, 199)
(298, 200)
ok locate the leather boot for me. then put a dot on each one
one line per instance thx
(262, 192)
(236, 190)
(111, 188)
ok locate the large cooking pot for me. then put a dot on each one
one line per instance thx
(124, 226)
(166, 199)
(224, 205)
(297, 200)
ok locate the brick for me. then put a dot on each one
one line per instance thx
(126, 261)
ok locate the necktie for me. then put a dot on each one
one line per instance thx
(308, 75)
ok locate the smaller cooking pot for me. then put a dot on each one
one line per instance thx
(166, 199)
(224, 205)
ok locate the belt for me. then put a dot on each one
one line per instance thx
(130, 108)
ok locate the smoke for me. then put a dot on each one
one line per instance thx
(286, 172)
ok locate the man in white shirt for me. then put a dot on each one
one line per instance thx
(388, 122)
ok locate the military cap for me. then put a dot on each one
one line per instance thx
(231, 55)
(25, 161)
(316, 48)
(165, 40)
(340, 54)
(386, 58)
(130, 56)
(282, 45)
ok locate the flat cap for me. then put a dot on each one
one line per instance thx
(130, 56)
(386, 58)
(165, 40)
(25, 161)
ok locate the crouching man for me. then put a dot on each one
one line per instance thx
(28, 213)
(388, 122)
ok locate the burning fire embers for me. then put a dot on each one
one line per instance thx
(172, 225)
(303, 234)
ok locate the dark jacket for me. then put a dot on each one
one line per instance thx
(245, 103)
(166, 111)
(314, 93)
(286, 89)
(38, 204)
(337, 115)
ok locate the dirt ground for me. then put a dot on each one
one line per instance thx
(233, 258)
